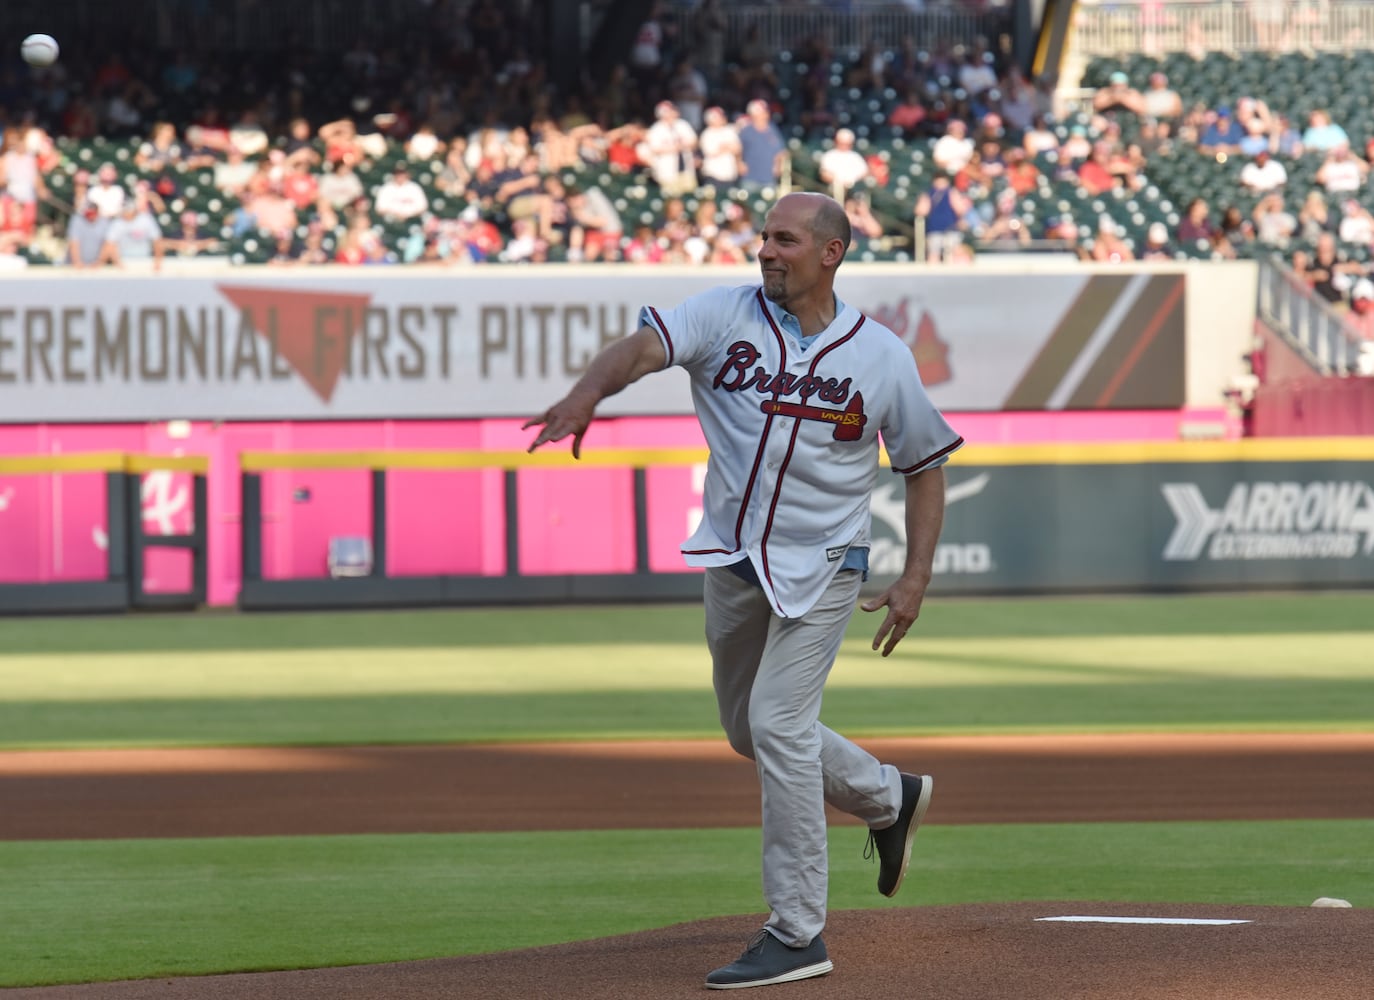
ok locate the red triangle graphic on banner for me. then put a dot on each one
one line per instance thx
(312, 331)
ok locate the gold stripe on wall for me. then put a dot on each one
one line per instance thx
(1076, 327)
(1313, 449)
(1154, 320)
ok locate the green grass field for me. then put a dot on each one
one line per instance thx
(1200, 663)
(88, 910)
(131, 909)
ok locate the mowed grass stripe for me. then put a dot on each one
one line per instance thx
(78, 911)
(1156, 685)
(1168, 679)
(942, 617)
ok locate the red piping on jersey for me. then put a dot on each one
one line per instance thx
(667, 337)
(926, 461)
(763, 440)
(792, 443)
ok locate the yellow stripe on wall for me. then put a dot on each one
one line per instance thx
(1250, 450)
(1350, 449)
(89, 461)
(255, 461)
(167, 463)
(100, 461)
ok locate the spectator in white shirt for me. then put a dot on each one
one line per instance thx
(106, 193)
(976, 75)
(721, 150)
(341, 186)
(1342, 172)
(1357, 226)
(400, 198)
(424, 145)
(842, 166)
(248, 136)
(1274, 224)
(135, 236)
(232, 176)
(953, 150)
(670, 150)
(1263, 174)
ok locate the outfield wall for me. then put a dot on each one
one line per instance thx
(1021, 518)
(218, 363)
(51, 526)
(377, 343)
(1246, 514)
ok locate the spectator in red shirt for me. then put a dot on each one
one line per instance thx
(622, 148)
(15, 228)
(299, 185)
(1095, 174)
(643, 247)
(211, 133)
(482, 233)
(909, 114)
(1022, 175)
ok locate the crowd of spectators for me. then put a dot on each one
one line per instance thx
(462, 151)
(1323, 228)
(341, 158)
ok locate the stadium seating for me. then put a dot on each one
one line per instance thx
(1290, 83)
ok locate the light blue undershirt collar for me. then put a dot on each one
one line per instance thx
(792, 325)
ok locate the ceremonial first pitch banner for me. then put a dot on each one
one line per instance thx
(360, 344)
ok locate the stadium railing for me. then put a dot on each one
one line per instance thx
(1321, 334)
(780, 28)
(127, 540)
(1124, 27)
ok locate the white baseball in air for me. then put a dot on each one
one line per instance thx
(39, 50)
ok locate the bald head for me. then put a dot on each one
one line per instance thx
(825, 217)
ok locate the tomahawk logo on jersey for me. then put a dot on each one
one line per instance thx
(793, 433)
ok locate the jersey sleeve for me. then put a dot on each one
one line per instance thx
(915, 433)
(689, 329)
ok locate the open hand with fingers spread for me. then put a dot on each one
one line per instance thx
(570, 415)
(625, 361)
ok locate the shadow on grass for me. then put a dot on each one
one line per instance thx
(942, 618)
(1196, 704)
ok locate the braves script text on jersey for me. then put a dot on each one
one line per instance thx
(793, 434)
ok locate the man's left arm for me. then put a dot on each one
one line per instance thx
(925, 515)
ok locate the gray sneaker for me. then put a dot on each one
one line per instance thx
(767, 961)
(892, 844)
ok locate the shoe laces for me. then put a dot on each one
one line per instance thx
(757, 942)
(871, 848)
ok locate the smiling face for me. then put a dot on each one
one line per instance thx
(798, 256)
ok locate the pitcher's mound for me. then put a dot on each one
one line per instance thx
(980, 952)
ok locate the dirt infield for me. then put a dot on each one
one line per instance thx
(951, 953)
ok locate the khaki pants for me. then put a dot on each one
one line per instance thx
(769, 673)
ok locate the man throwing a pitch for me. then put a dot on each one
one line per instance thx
(792, 388)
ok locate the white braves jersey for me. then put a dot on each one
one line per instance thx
(793, 434)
